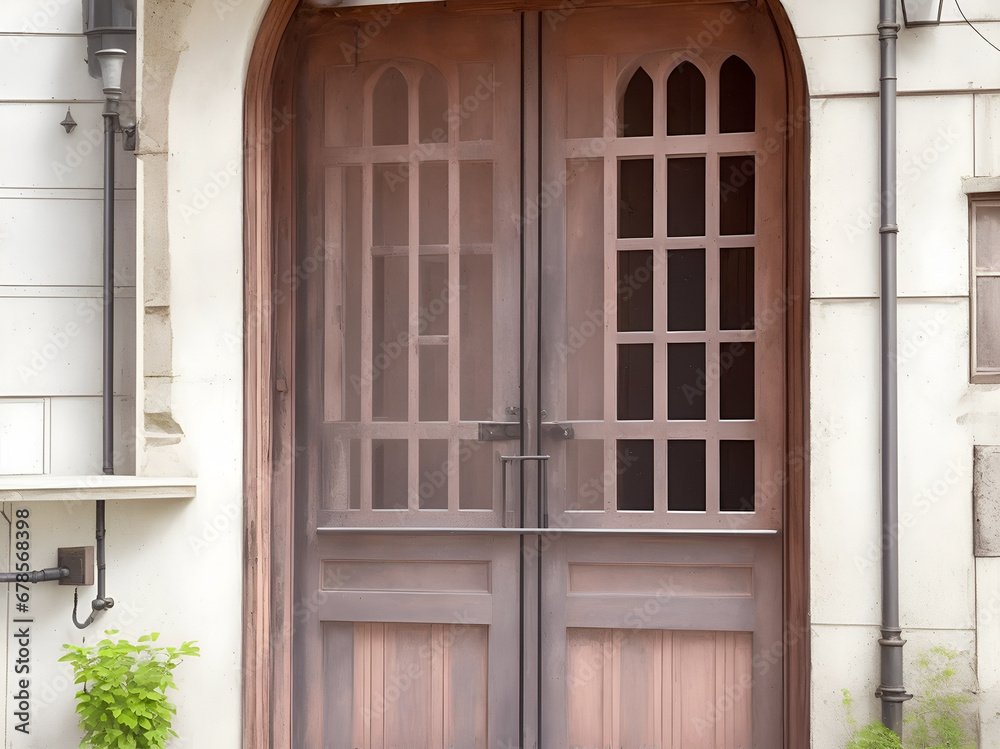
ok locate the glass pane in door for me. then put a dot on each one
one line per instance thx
(411, 181)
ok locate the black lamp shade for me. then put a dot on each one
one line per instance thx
(108, 24)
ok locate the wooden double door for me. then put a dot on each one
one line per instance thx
(539, 378)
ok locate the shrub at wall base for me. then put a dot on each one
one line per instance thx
(938, 718)
(123, 703)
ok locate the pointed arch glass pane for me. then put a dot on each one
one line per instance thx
(637, 106)
(390, 110)
(737, 97)
(686, 101)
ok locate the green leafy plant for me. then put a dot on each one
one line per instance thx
(935, 719)
(123, 702)
(871, 735)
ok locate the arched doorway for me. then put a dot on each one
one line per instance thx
(537, 321)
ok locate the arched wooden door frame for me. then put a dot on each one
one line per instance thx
(269, 608)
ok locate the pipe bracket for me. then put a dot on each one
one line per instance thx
(893, 694)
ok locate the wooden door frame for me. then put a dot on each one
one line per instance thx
(269, 607)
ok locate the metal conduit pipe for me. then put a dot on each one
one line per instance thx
(35, 576)
(890, 690)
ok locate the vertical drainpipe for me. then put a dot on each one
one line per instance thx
(110, 115)
(890, 690)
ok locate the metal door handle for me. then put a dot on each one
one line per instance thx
(508, 514)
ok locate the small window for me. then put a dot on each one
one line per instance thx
(985, 291)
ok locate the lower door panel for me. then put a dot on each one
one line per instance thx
(415, 645)
(405, 685)
(662, 643)
(658, 688)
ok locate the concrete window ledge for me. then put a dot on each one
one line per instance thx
(976, 185)
(75, 488)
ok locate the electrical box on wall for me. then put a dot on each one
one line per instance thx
(79, 560)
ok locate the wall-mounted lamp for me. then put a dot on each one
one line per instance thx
(922, 12)
(108, 24)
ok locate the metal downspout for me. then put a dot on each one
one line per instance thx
(108, 398)
(110, 114)
(890, 690)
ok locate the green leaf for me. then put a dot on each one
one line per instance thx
(122, 702)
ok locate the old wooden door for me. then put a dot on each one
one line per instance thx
(539, 385)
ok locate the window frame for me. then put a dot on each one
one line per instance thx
(977, 374)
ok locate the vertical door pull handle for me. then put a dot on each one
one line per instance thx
(508, 512)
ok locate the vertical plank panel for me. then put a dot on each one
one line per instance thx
(585, 680)
(438, 711)
(638, 691)
(616, 687)
(377, 710)
(667, 693)
(361, 729)
(715, 716)
(413, 685)
(731, 689)
(742, 709)
(656, 659)
(608, 689)
(631, 689)
(694, 680)
(407, 693)
(338, 684)
(466, 696)
(676, 690)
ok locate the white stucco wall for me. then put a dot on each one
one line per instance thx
(176, 566)
(173, 566)
(946, 126)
